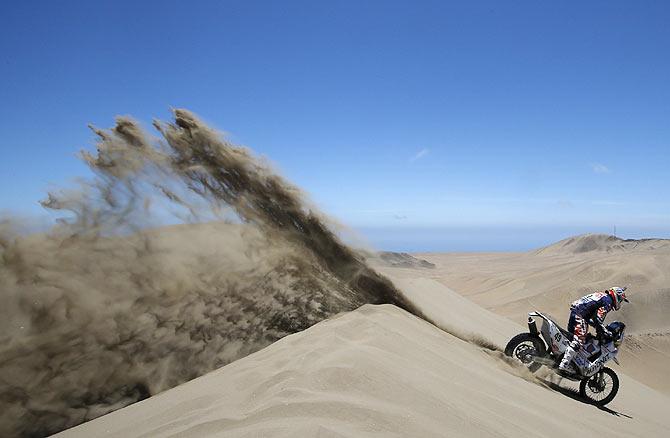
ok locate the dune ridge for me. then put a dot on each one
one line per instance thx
(378, 371)
(601, 243)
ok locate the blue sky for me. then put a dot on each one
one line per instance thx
(401, 119)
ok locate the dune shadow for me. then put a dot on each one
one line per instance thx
(574, 394)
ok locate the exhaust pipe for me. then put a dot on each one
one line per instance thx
(532, 327)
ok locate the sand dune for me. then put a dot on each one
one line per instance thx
(377, 371)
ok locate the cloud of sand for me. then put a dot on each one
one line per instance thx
(104, 310)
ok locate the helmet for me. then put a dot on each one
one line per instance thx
(618, 295)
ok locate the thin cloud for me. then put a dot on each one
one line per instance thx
(422, 153)
(600, 168)
(610, 203)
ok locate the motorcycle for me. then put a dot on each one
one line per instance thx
(546, 346)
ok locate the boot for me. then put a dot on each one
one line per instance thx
(566, 363)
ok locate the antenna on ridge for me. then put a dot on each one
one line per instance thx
(615, 230)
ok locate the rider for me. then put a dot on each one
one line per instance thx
(590, 309)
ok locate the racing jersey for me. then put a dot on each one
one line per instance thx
(593, 308)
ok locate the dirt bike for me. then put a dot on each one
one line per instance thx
(546, 346)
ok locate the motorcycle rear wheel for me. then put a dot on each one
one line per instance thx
(523, 347)
(597, 394)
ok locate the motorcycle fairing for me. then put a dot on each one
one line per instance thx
(558, 341)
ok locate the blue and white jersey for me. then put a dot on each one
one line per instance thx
(593, 307)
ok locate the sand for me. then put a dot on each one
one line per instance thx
(377, 371)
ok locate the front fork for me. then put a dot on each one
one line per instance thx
(599, 383)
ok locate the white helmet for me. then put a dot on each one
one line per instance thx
(618, 295)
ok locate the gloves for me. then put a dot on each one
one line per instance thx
(601, 330)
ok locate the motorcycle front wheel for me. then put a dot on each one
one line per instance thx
(601, 388)
(525, 348)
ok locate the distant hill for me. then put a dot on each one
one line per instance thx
(403, 260)
(601, 243)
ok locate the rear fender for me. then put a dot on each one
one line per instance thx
(532, 329)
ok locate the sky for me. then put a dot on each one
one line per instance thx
(422, 125)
